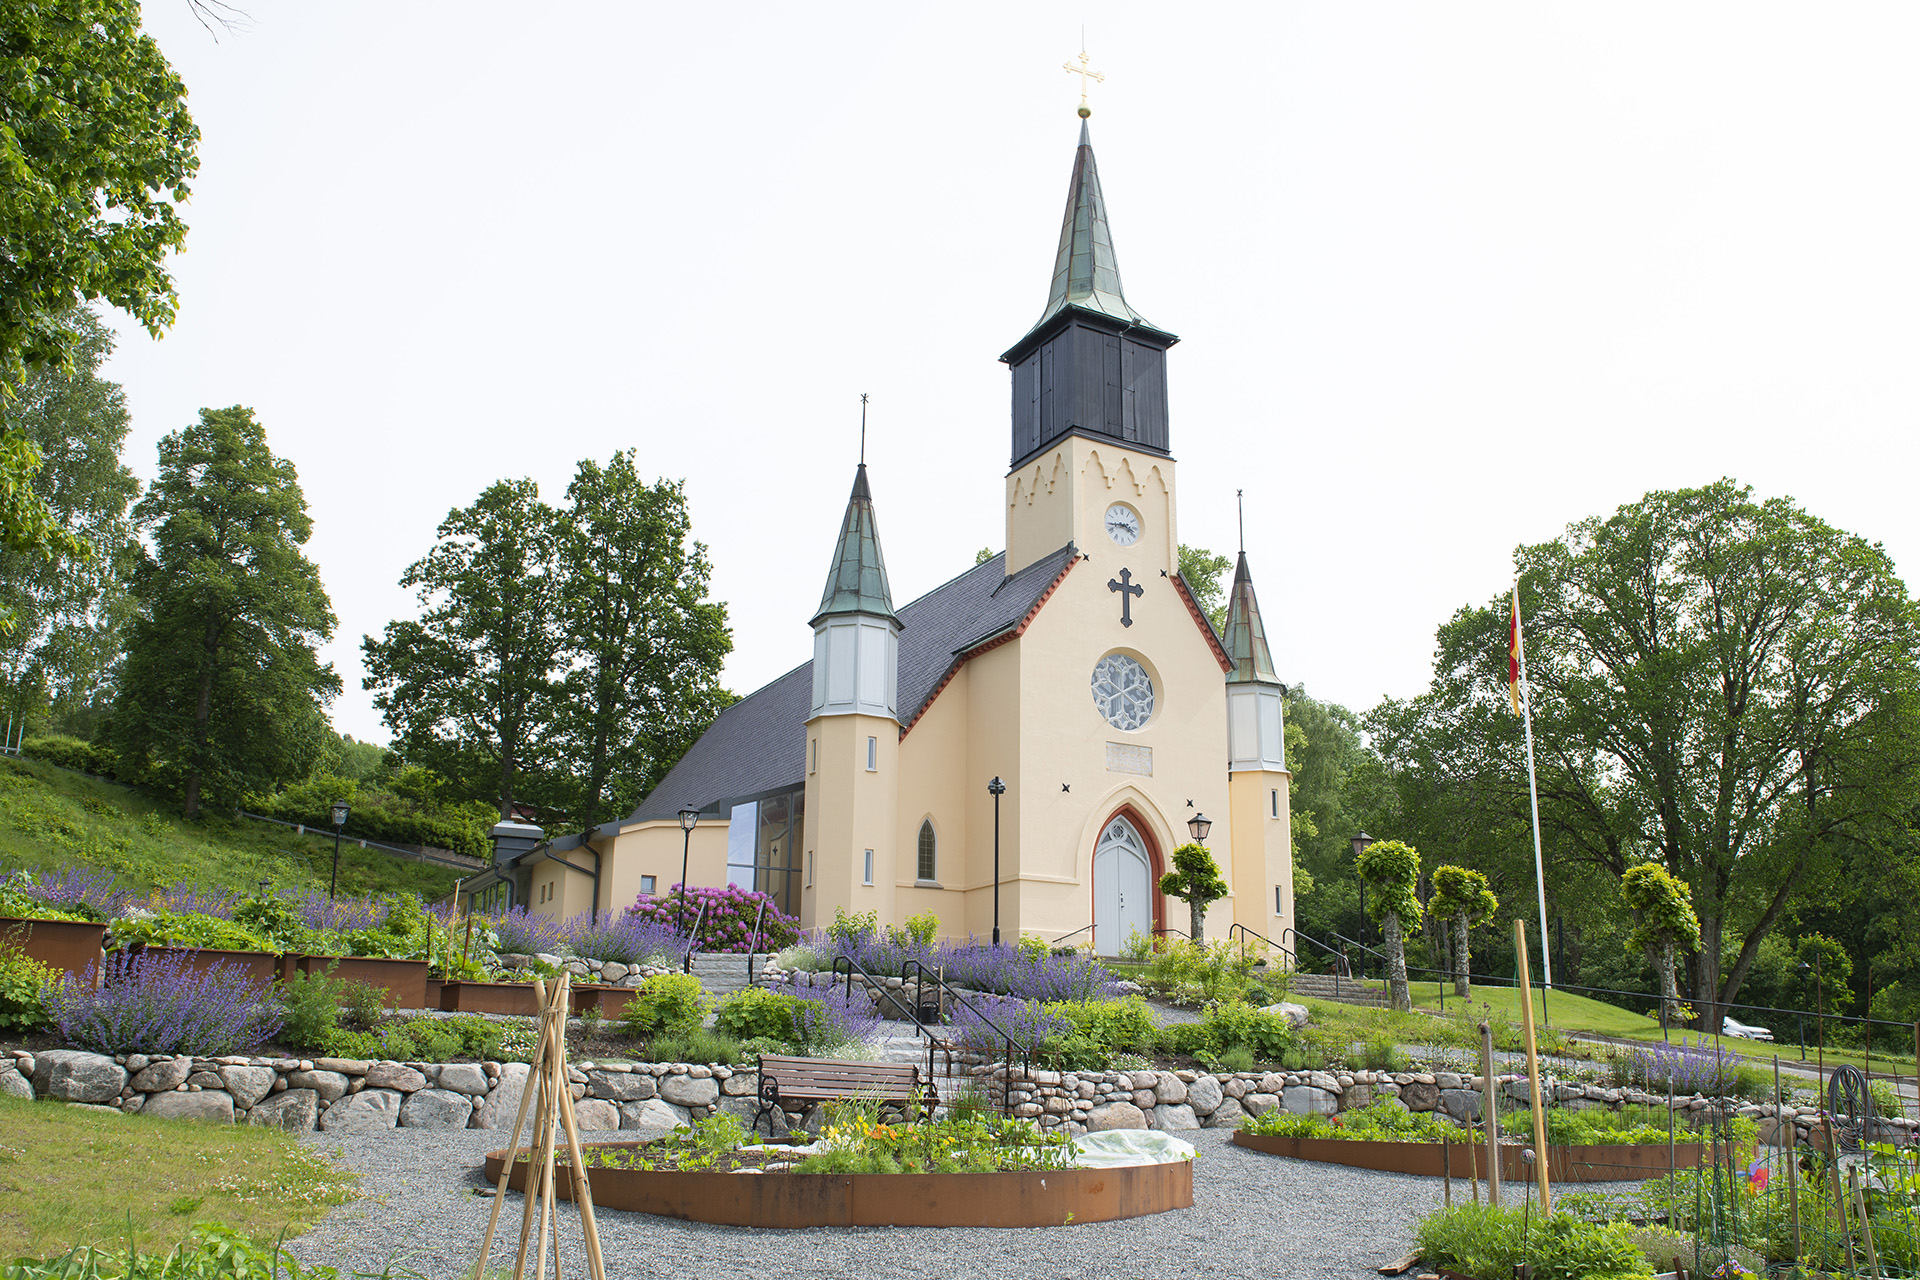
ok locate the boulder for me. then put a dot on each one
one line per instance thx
(215, 1105)
(296, 1110)
(621, 1086)
(464, 1077)
(685, 1091)
(248, 1084)
(163, 1075)
(391, 1075)
(1355, 1096)
(612, 971)
(1420, 1097)
(742, 1109)
(435, 1109)
(1169, 1088)
(1296, 1014)
(1305, 1099)
(503, 1104)
(330, 1085)
(368, 1111)
(1258, 1104)
(1116, 1115)
(651, 1118)
(70, 1075)
(1461, 1104)
(15, 1085)
(1168, 1117)
(596, 1113)
(1226, 1116)
(1204, 1096)
(1272, 1082)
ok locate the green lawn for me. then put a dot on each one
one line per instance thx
(53, 818)
(70, 1176)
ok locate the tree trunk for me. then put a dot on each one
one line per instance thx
(1462, 958)
(1397, 994)
(1669, 984)
(1197, 921)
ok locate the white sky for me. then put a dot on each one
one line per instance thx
(1449, 277)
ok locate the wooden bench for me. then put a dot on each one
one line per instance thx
(785, 1082)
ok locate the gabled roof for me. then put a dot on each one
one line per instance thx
(857, 582)
(758, 745)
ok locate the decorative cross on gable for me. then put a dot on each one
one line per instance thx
(1128, 589)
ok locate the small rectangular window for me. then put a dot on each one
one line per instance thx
(1279, 900)
(646, 884)
(809, 868)
(1274, 797)
(815, 766)
(873, 755)
(869, 875)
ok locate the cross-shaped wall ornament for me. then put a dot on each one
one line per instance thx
(1128, 589)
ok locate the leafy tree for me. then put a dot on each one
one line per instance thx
(221, 690)
(68, 614)
(644, 643)
(1463, 899)
(1392, 870)
(1724, 686)
(983, 555)
(1664, 922)
(1822, 985)
(1202, 569)
(473, 679)
(1195, 880)
(96, 147)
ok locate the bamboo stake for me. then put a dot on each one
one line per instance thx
(1473, 1166)
(543, 1124)
(1492, 1118)
(582, 1189)
(513, 1149)
(1866, 1222)
(1791, 1127)
(1533, 1070)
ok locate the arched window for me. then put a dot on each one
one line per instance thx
(926, 850)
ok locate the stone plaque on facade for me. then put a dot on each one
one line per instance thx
(1126, 757)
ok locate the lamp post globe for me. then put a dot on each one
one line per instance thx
(996, 789)
(1199, 824)
(339, 815)
(688, 817)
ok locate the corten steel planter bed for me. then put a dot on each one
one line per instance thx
(70, 945)
(404, 980)
(1027, 1198)
(266, 965)
(1595, 1163)
(610, 1000)
(489, 997)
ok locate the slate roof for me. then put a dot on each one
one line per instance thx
(758, 745)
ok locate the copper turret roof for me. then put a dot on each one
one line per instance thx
(1246, 635)
(857, 582)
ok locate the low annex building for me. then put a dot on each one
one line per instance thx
(1075, 667)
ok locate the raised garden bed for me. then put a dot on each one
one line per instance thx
(265, 965)
(489, 997)
(404, 980)
(1024, 1198)
(610, 1000)
(69, 945)
(1586, 1163)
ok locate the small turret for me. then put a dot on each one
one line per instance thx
(856, 645)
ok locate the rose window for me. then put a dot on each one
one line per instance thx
(1123, 691)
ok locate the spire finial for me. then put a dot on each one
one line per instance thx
(863, 428)
(1240, 497)
(1086, 73)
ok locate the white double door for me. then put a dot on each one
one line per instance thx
(1122, 888)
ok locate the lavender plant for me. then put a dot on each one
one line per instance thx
(342, 915)
(187, 899)
(627, 938)
(837, 1023)
(988, 1023)
(1686, 1068)
(86, 892)
(520, 932)
(1004, 970)
(159, 1003)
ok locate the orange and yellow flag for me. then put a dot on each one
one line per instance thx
(1513, 652)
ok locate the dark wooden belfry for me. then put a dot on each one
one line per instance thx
(1092, 366)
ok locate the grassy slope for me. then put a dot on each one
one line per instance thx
(70, 1177)
(51, 818)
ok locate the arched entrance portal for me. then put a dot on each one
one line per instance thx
(1122, 887)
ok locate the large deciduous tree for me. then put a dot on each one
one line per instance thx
(221, 691)
(96, 147)
(1724, 686)
(644, 644)
(475, 675)
(1391, 869)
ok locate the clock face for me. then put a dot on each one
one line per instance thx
(1123, 525)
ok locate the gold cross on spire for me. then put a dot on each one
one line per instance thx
(1085, 73)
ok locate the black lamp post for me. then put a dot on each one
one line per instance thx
(1199, 824)
(688, 817)
(339, 820)
(1360, 842)
(996, 788)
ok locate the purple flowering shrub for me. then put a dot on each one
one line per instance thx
(187, 899)
(987, 1023)
(1004, 970)
(520, 932)
(728, 923)
(627, 938)
(1687, 1068)
(158, 1003)
(836, 1023)
(342, 915)
(81, 892)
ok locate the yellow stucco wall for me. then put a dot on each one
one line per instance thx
(850, 809)
(1063, 495)
(653, 849)
(1262, 846)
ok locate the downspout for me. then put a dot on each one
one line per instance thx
(593, 903)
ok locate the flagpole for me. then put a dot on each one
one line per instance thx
(1533, 790)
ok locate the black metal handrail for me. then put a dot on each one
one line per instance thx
(1167, 929)
(1377, 955)
(693, 937)
(1086, 928)
(753, 943)
(1246, 933)
(944, 993)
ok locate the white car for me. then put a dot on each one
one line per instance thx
(1741, 1031)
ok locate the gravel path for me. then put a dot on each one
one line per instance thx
(1253, 1215)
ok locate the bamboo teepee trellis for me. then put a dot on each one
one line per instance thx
(548, 1091)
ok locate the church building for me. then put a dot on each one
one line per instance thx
(1024, 746)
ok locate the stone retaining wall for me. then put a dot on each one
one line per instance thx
(647, 1100)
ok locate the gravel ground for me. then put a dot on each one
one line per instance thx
(1253, 1215)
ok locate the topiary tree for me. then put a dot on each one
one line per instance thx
(1195, 880)
(1392, 869)
(1463, 899)
(1663, 922)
